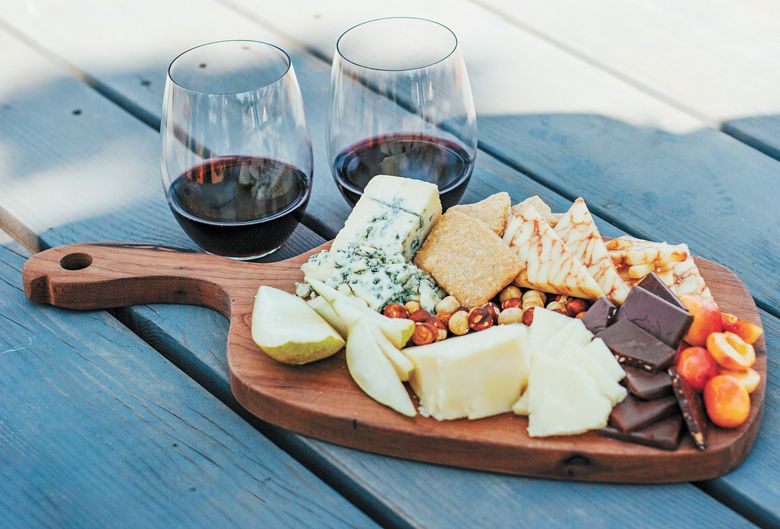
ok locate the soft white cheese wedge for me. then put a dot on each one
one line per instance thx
(563, 400)
(394, 215)
(579, 233)
(598, 351)
(475, 376)
(521, 406)
(577, 357)
(573, 334)
(545, 326)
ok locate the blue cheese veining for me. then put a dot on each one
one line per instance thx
(371, 255)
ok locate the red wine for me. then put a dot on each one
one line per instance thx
(240, 206)
(424, 157)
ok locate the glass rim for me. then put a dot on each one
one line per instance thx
(444, 58)
(285, 55)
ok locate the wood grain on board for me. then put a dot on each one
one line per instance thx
(97, 429)
(39, 143)
(321, 400)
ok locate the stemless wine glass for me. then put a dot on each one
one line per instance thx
(401, 105)
(236, 155)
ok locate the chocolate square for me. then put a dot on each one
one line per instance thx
(634, 414)
(664, 434)
(648, 385)
(653, 284)
(599, 316)
(691, 407)
(634, 347)
(657, 316)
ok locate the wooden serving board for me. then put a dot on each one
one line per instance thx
(321, 400)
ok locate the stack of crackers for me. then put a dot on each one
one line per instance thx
(475, 250)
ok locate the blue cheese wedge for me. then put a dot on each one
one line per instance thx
(394, 215)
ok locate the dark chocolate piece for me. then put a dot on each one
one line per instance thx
(634, 347)
(599, 316)
(657, 316)
(634, 414)
(653, 284)
(664, 434)
(692, 411)
(648, 385)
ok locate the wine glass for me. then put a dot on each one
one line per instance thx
(236, 155)
(400, 104)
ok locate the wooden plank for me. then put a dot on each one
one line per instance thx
(760, 132)
(97, 427)
(384, 484)
(714, 60)
(639, 161)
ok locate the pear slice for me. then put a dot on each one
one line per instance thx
(577, 357)
(289, 330)
(401, 363)
(349, 310)
(373, 372)
(600, 354)
(324, 309)
(521, 406)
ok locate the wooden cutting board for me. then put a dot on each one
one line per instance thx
(321, 400)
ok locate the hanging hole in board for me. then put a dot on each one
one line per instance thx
(75, 261)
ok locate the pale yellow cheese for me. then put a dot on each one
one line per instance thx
(563, 400)
(475, 376)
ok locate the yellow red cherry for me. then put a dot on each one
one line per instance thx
(731, 351)
(727, 401)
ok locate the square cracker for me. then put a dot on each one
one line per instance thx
(493, 211)
(467, 259)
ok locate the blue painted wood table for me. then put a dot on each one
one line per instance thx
(125, 418)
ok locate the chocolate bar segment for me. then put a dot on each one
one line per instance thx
(657, 316)
(648, 385)
(691, 407)
(634, 347)
(599, 316)
(653, 284)
(664, 434)
(634, 414)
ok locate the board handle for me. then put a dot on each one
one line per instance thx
(106, 275)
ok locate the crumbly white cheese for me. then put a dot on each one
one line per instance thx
(372, 253)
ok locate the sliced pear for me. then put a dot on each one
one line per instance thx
(601, 355)
(289, 330)
(563, 400)
(401, 363)
(373, 372)
(521, 406)
(577, 357)
(324, 309)
(349, 310)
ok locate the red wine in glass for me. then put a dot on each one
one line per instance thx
(421, 156)
(240, 205)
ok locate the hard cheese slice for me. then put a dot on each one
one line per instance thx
(546, 324)
(393, 215)
(579, 358)
(581, 236)
(547, 264)
(474, 376)
(563, 400)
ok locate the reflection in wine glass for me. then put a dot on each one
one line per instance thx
(401, 105)
(236, 156)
